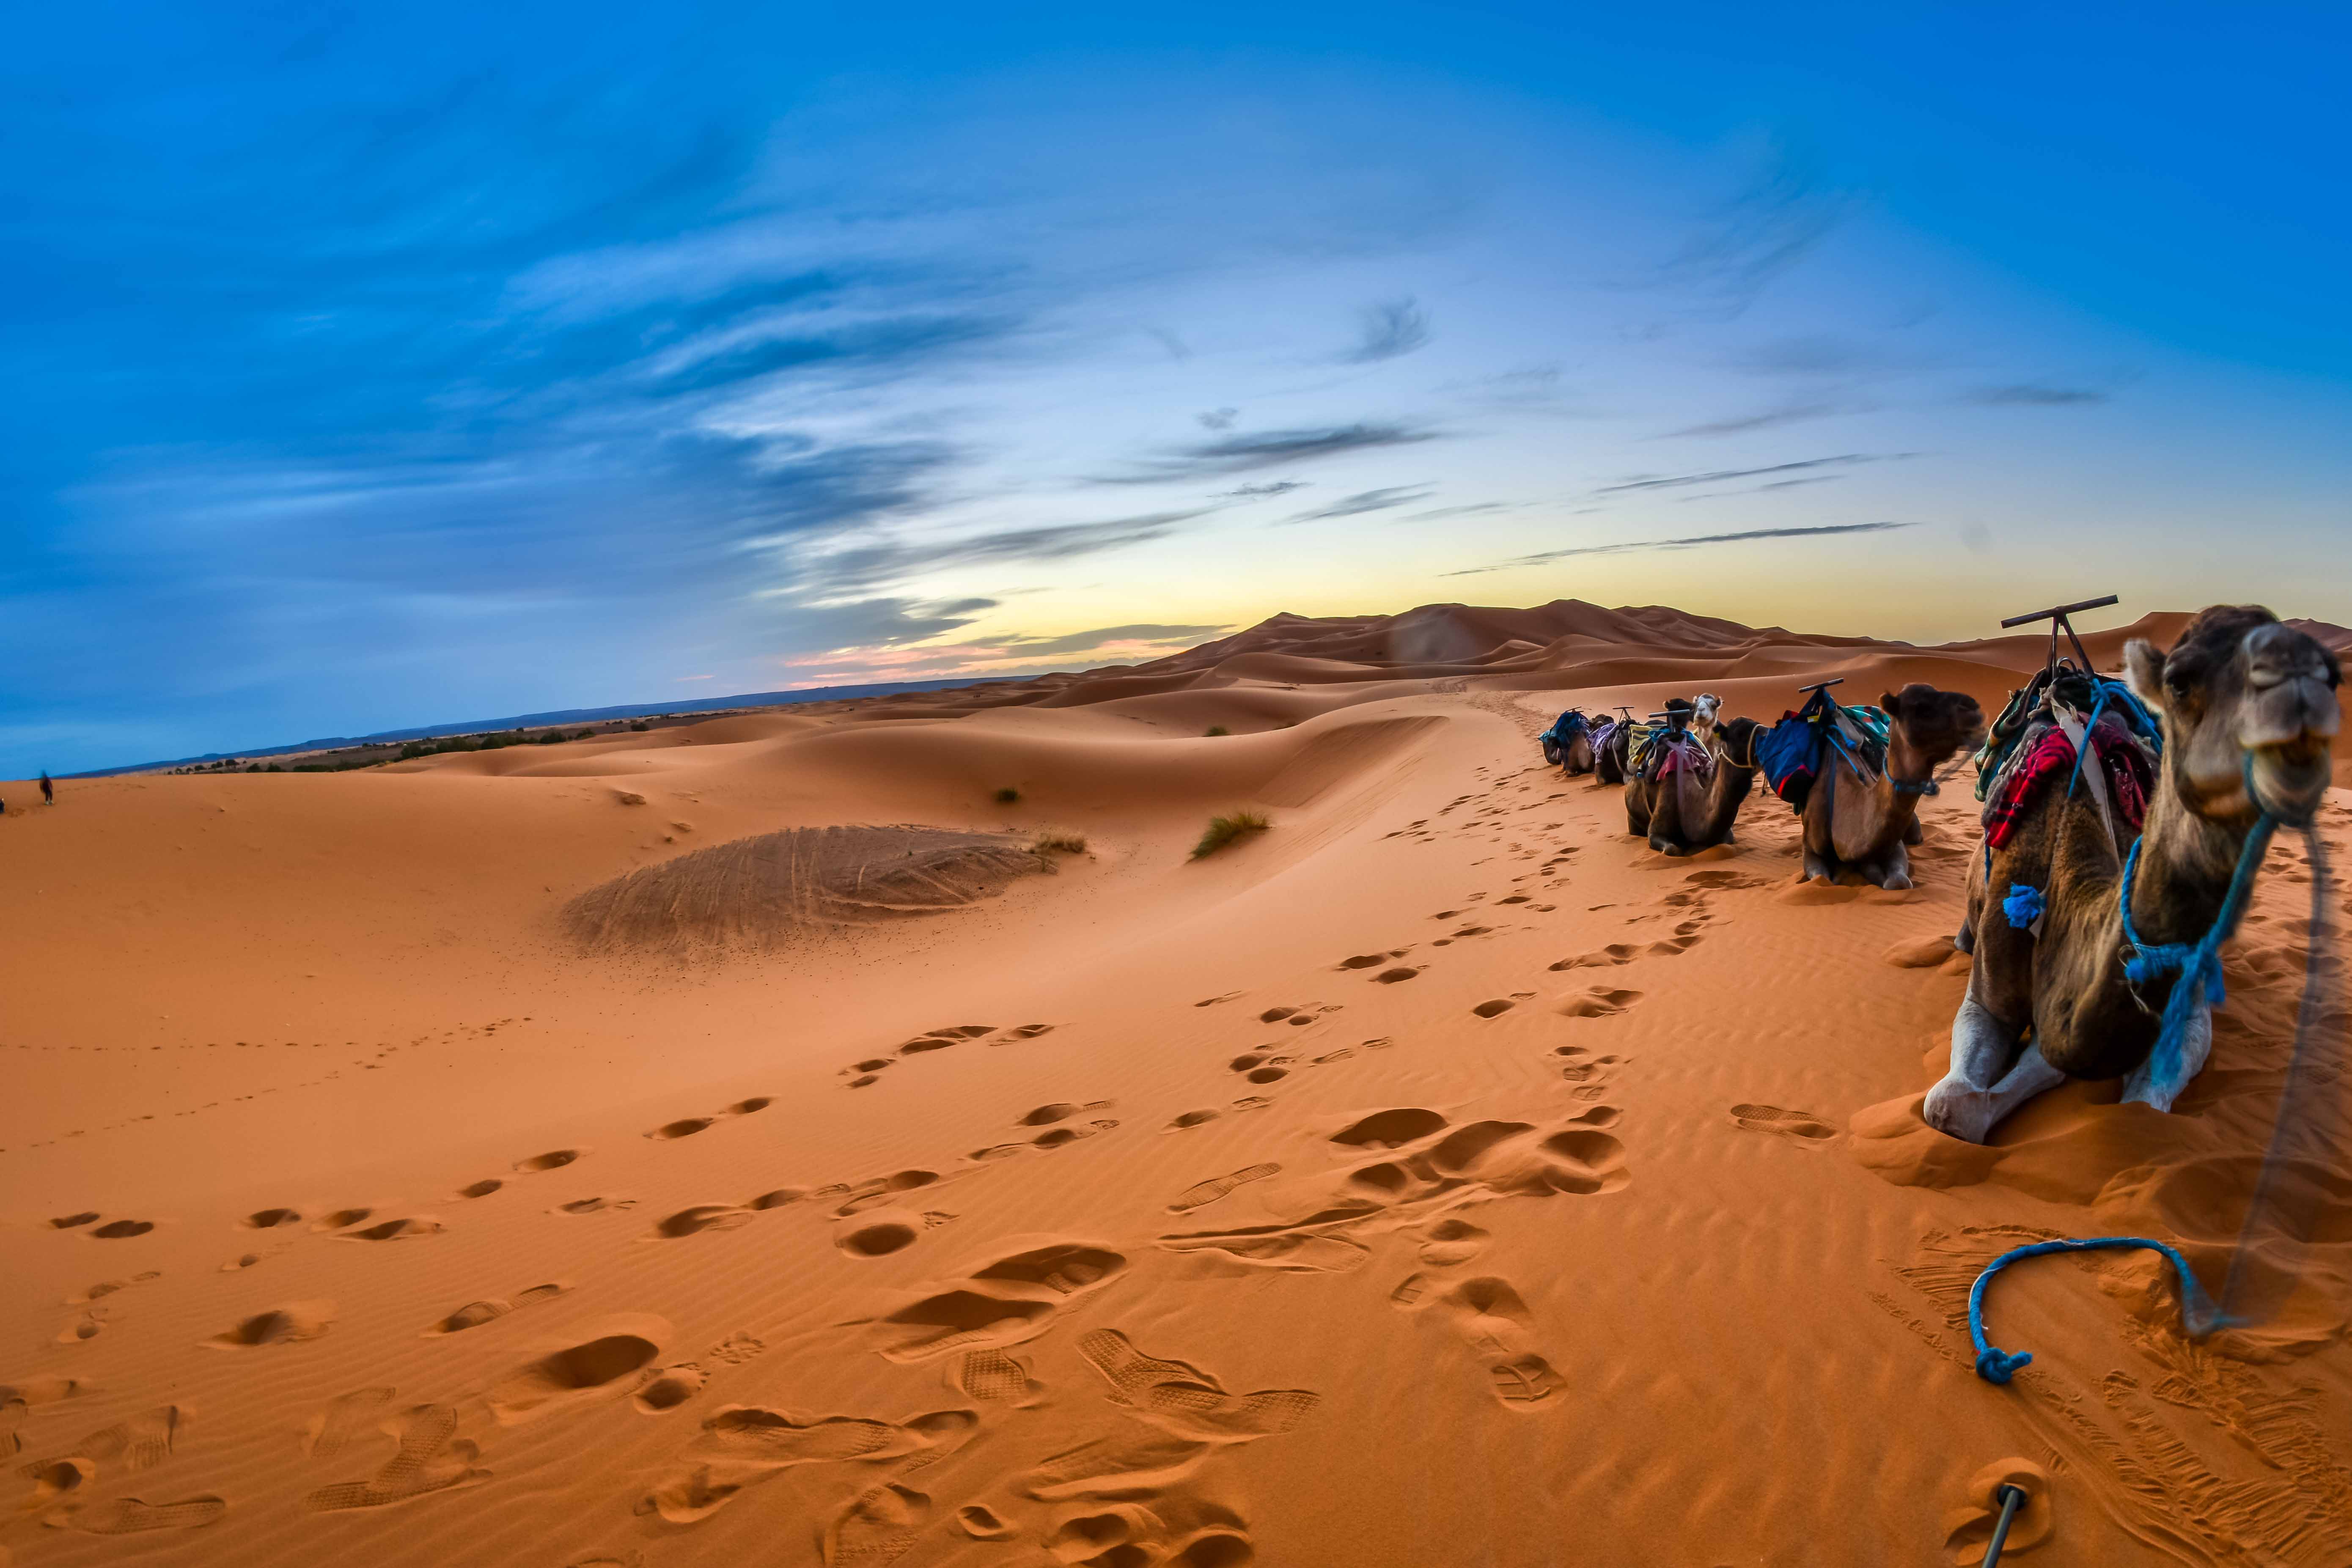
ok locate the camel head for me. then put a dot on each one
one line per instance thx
(1733, 742)
(1929, 727)
(2241, 696)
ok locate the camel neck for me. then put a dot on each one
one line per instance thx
(2185, 862)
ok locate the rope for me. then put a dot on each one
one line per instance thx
(2197, 964)
(1995, 1365)
(2199, 967)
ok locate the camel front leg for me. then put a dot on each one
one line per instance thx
(1983, 1086)
(1895, 871)
(2195, 1044)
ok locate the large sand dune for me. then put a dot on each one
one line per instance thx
(558, 1159)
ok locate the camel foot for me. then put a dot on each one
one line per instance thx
(1666, 846)
(1982, 1086)
(1896, 881)
(2142, 1088)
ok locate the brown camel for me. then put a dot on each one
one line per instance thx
(1609, 762)
(1860, 822)
(2248, 708)
(1688, 795)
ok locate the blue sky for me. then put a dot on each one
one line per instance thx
(377, 365)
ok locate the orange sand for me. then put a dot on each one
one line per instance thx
(1439, 1177)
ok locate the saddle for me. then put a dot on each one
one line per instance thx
(1795, 749)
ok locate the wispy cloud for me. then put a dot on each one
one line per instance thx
(1385, 331)
(1469, 511)
(1770, 419)
(1142, 634)
(2036, 394)
(1691, 543)
(1366, 501)
(1260, 493)
(1759, 489)
(1784, 214)
(868, 566)
(1218, 418)
(1269, 449)
(1723, 476)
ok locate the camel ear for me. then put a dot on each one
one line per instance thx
(2144, 666)
(1886, 701)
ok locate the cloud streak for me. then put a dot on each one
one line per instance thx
(1723, 476)
(1388, 331)
(1270, 450)
(1690, 542)
(1366, 501)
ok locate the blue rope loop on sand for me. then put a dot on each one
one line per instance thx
(2197, 1314)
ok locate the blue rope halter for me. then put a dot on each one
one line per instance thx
(2197, 964)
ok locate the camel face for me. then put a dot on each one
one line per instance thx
(2241, 687)
(1932, 725)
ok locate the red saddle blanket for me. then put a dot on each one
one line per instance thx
(2122, 764)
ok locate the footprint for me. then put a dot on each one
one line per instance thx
(1797, 1124)
(1188, 1402)
(881, 1190)
(73, 1221)
(687, 1128)
(994, 1377)
(1614, 954)
(758, 1102)
(701, 1218)
(959, 1320)
(473, 1314)
(1275, 1015)
(1189, 1120)
(594, 1205)
(1449, 1243)
(270, 1220)
(670, 1388)
(1137, 1461)
(1597, 1002)
(587, 1371)
(340, 1219)
(431, 1457)
(1392, 976)
(1390, 1129)
(342, 1420)
(553, 1160)
(481, 1189)
(289, 1324)
(778, 1198)
(127, 1516)
(1494, 1007)
(1202, 1194)
(879, 1526)
(1067, 1269)
(878, 1238)
(1489, 1314)
(122, 1230)
(406, 1229)
(1362, 961)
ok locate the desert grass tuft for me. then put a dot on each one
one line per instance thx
(1060, 844)
(1217, 729)
(1007, 796)
(1223, 830)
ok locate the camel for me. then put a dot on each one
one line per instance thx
(1688, 795)
(1569, 742)
(1610, 765)
(2249, 712)
(1862, 822)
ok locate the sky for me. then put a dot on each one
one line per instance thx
(371, 366)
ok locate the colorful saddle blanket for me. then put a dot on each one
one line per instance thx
(2125, 766)
(1793, 752)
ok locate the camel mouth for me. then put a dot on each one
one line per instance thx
(2291, 777)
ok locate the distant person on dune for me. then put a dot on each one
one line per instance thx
(49, 790)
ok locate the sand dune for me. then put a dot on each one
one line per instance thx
(1438, 1177)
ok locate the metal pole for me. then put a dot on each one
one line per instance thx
(2010, 1497)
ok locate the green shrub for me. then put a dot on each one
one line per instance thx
(1218, 730)
(1223, 830)
(1007, 796)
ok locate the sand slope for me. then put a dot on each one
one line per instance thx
(1438, 1177)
